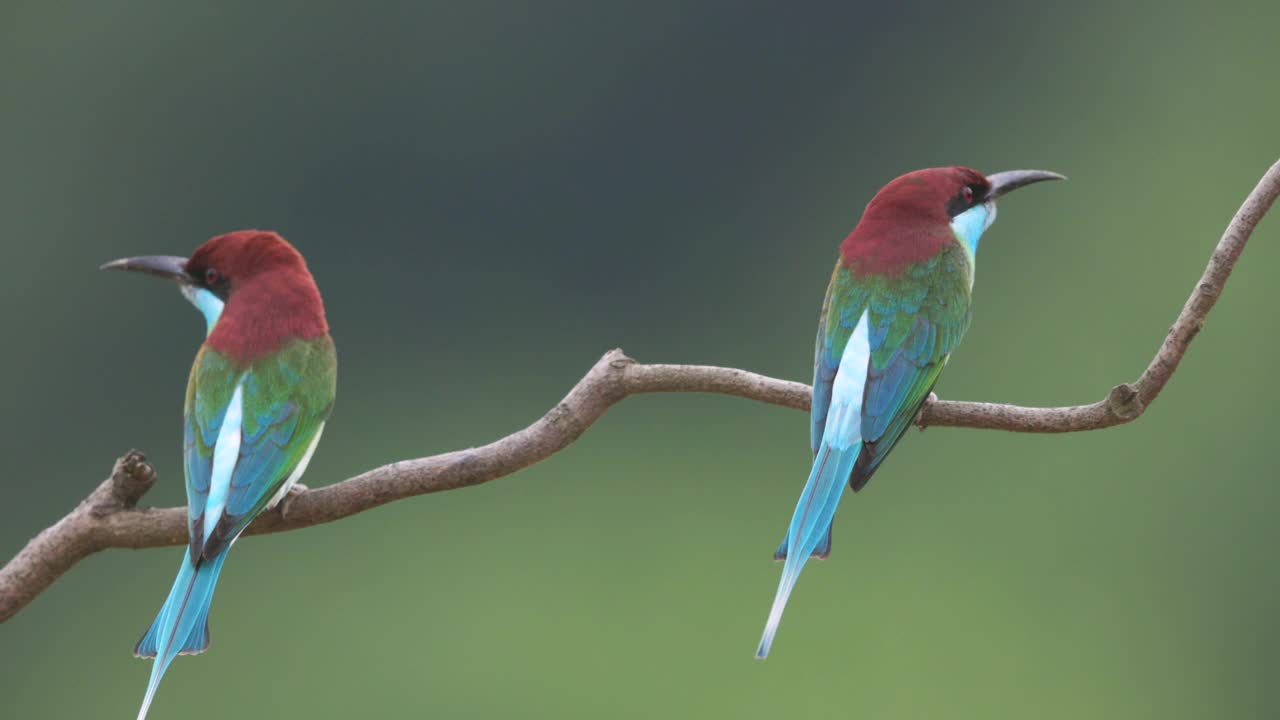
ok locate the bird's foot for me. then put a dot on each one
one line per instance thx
(294, 491)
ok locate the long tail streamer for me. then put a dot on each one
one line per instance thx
(810, 527)
(182, 627)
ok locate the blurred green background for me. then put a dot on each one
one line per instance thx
(491, 195)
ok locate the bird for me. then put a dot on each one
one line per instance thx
(897, 306)
(260, 391)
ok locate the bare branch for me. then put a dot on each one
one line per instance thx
(108, 518)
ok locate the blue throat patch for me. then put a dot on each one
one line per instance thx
(207, 303)
(970, 224)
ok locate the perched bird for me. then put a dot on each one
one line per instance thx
(896, 308)
(259, 394)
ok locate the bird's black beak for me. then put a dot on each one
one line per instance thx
(1010, 180)
(169, 267)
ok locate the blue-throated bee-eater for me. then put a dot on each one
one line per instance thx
(259, 394)
(897, 306)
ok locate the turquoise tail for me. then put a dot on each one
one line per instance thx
(810, 531)
(820, 551)
(182, 627)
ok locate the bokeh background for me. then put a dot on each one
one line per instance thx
(491, 195)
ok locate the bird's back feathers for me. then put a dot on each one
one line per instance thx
(284, 399)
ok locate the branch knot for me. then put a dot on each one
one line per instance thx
(1124, 403)
(131, 478)
(618, 360)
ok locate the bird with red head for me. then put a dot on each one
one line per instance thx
(897, 306)
(260, 391)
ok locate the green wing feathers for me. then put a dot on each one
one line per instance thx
(286, 397)
(914, 322)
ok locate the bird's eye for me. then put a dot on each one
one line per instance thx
(968, 194)
(212, 277)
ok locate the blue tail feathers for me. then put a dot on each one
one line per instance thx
(820, 551)
(810, 530)
(182, 626)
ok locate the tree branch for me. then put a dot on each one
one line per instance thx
(108, 518)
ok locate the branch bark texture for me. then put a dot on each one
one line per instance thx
(110, 518)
